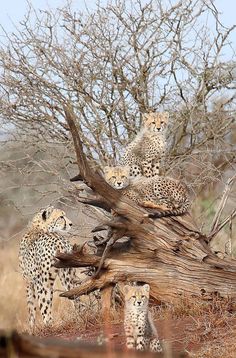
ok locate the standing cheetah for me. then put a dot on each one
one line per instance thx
(167, 194)
(139, 327)
(37, 249)
(144, 153)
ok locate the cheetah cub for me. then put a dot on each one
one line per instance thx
(139, 328)
(145, 152)
(157, 192)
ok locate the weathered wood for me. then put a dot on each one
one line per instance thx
(106, 295)
(171, 254)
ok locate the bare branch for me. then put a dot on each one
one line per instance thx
(216, 219)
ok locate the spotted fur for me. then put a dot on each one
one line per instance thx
(157, 192)
(145, 152)
(37, 250)
(139, 327)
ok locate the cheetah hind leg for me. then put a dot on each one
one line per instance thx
(135, 170)
(151, 205)
(31, 304)
(44, 288)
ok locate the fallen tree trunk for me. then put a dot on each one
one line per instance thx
(170, 254)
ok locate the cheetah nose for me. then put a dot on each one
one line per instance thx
(139, 303)
(70, 224)
(119, 183)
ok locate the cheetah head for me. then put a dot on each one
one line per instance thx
(156, 122)
(51, 219)
(118, 177)
(136, 296)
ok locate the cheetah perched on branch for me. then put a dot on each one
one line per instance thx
(145, 152)
(140, 331)
(37, 249)
(167, 194)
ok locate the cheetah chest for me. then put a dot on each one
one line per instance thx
(136, 323)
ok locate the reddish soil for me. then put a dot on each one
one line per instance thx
(189, 334)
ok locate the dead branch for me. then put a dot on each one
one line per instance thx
(221, 225)
(215, 221)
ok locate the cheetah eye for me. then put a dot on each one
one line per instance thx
(133, 296)
(61, 217)
(113, 177)
(123, 176)
(142, 296)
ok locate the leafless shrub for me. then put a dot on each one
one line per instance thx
(112, 65)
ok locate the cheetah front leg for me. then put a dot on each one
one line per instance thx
(147, 169)
(130, 342)
(142, 343)
(155, 167)
(31, 303)
(129, 334)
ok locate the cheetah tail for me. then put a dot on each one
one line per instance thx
(152, 325)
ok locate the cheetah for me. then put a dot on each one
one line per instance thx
(37, 250)
(157, 192)
(145, 152)
(139, 327)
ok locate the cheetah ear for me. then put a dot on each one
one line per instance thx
(47, 212)
(127, 169)
(100, 171)
(166, 116)
(44, 215)
(106, 169)
(146, 287)
(126, 289)
(145, 117)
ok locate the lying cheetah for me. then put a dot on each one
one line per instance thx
(37, 249)
(139, 328)
(144, 153)
(167, 194)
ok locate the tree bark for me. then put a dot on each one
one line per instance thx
(171, 254)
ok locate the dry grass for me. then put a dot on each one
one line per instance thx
(201, 328)
(13, 310)
(12, 289)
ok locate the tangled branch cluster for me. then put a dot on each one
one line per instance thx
(117, 62)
